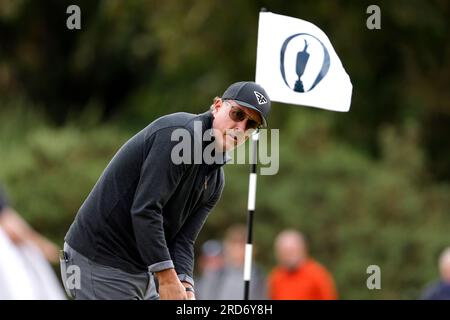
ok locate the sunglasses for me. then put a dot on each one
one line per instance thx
(237, 115)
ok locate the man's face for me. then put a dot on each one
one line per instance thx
(290, 252)
(229, 130)
(234, 252)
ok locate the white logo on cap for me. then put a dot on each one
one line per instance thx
(259, 96)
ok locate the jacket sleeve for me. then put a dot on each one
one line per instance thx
(182, 247)
(159, 179)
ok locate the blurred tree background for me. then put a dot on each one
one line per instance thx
(367, 187)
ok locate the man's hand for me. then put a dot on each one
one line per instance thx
(190, 294)
(170, 287)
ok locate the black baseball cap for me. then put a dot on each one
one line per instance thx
(250, 95)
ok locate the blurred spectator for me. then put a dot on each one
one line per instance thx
(25, 273)
(20, 232)
(440, 290)
(227, 282)
(297, 276)
(211, 258)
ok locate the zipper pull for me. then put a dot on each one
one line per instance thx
(206, 183)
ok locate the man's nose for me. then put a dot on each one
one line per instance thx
(242, 125)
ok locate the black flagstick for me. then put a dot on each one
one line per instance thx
(251, 211)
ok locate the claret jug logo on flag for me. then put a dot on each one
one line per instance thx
(297, 57)
(297, 64)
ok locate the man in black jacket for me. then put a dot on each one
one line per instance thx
(145, 212)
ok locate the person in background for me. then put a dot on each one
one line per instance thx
(440, 290)
(297, 276)
(210, 260)
(226, 283)
(19, 231)
(25, 271)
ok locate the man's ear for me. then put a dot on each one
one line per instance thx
(217, 105)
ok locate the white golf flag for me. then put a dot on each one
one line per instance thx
(297, 64)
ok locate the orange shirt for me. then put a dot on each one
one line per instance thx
(310, 281)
